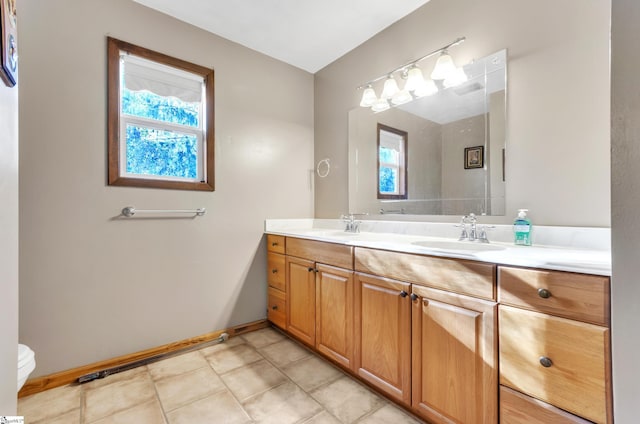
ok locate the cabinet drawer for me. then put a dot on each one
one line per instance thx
(517, 408)
(576, 379)
(565, 294)
(326, 253)
(275, 243)
(460, 276)
(276, 271)
(276, 312)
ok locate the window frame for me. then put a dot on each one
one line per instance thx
(402, 165)
(115, 160)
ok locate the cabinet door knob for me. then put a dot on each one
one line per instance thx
(545, 361)
(414, 296)
(274, 307)
(275, 243)
(544, 293)
(274, 271)
(310, 269)
(403, 293)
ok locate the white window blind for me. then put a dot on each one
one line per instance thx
(141, 74)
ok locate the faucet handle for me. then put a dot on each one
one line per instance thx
(482, 236)
(463, 224)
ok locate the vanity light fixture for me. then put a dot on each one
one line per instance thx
(368, 96)
(390, 88)
(444, 67)
(416, 85)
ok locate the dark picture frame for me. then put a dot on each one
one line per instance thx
(474, 157)
(9, 43)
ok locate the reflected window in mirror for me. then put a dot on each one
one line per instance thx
(392, 163)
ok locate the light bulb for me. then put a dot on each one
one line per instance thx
(457, 77)
(401, 97)
(414, 79)
(390, 88)
(426, 89)
(444, 67)
(380, 105)
(368, 97)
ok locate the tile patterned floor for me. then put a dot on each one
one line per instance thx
(259, 377)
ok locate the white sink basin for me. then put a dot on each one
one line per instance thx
(328, 233)
(465, 246)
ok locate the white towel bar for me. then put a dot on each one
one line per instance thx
(129, 211)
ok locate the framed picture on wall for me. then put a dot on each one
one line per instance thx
(474, 157)
(9, 42)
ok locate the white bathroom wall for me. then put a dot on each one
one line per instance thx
(558, 99)
(94, 286)
(625, 226)
(8, 248)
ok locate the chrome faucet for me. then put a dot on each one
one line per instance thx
(474, 233)
(351, 225)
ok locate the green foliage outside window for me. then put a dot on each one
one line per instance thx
(160, 152)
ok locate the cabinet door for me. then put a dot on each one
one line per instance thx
(454, 358)
(334, 314)
(301, 299)
(383, 335)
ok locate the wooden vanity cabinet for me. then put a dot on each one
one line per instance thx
(334, 314)
(319, 279)
(383, 335)
(429, 332)
(276, 279)
(454, 357)
(301, 299)
(555, 342)
(453, 347)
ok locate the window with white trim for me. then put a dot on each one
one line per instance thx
(392, 163)
(160, 121)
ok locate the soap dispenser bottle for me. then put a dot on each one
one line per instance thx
(522, 229)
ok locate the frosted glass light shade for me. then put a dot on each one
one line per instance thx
(426, 89)
(380, 105)
(401, 97)
(457, 77)
(444, 67)
(390, 88)
(368, 97)
(414, 79)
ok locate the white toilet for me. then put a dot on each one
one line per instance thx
(26, 364)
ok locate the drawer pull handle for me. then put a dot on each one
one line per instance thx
(414, 296)
(544, 293)
(545, 361)
(275, 243)
(274, 307)
(403, 293)
(274, 271)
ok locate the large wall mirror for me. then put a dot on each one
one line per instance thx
(454, 146)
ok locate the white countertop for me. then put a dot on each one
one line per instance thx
(574, 249)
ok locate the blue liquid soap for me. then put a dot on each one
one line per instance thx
(522, 229)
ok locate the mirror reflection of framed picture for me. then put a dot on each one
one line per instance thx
(9, 42)
(474, 157)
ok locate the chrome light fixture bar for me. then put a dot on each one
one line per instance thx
(416, 85)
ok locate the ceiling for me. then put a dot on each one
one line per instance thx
(308, 34)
